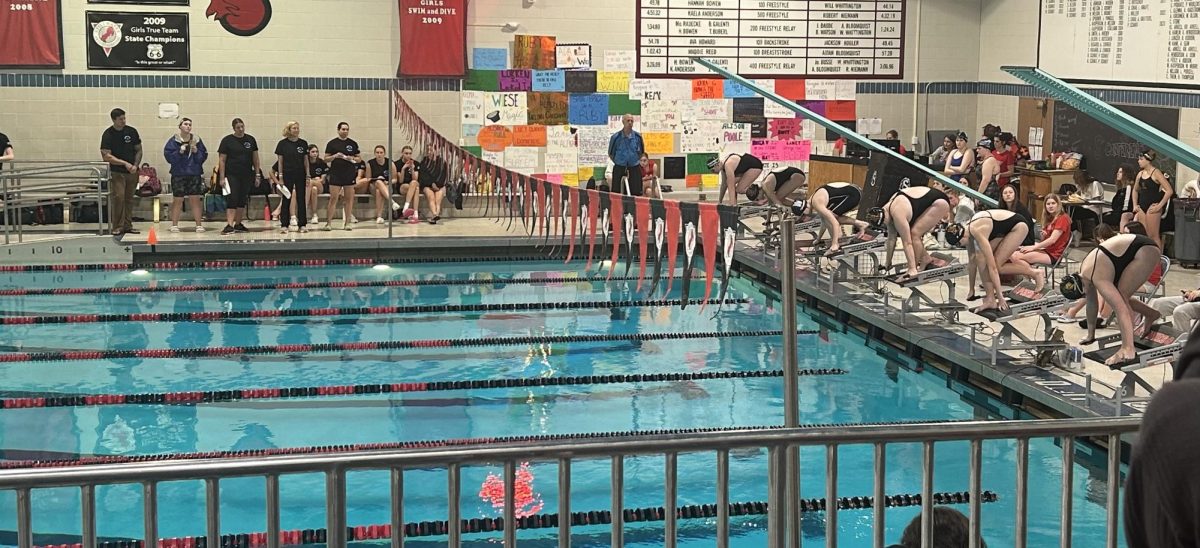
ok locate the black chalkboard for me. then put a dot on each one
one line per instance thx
(1105, 148)
(580, 81)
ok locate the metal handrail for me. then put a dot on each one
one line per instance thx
(778, 441)
(50, 176)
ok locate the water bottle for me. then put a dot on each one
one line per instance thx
(1075, 359)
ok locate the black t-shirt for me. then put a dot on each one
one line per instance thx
(122, 144)
(379, 171)
(293, 153)
(433, 171)
(342, 171)
(239, 153)
(4, 144)
(406, 176)
(317, 168)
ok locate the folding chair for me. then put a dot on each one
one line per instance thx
(1063, 260)
(1159, 289)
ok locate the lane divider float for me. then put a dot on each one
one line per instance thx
(299, 537)
(216, 316)
(219, 396)
(423, 445)
(201, 352)
(268, 263)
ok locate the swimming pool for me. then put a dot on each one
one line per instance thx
(872, 389)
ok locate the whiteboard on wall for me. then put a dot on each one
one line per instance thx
(772, 38)
(1121, 41)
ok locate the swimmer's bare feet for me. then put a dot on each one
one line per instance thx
(1122, 355)
(1039, 281)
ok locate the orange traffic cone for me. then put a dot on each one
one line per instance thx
(152, 239)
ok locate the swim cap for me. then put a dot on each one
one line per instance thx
(955, 232)
(753, 193)
(799, 207)
(875, 216)
(713, 163)
(1071, 287)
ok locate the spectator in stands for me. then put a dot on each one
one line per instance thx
(989, 168)
(186, 154)
(433, 182)
(951, 529)
(990, 131)
(1056, 230)
(625, 149)
(650, 187)
(895, 135)
(6, 150)
(408, 175)
(1151, 195)
(1006, 155)
(121, 147)
(1009, 201)
(343, 156)
(1183, 311)
(317, 185)
(937, 158)
(1122, 204)
(961, 160)
(377, 179)
(238, 168)
(292, 153)
(1162, 488)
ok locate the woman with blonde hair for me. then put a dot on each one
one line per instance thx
(292, 153)
(1056, 230)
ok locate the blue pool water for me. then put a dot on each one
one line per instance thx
(872, 391)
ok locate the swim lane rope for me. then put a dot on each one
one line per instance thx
(200, 352)
(298, 537)
(349, 311)
(216, 396)
(270, 263)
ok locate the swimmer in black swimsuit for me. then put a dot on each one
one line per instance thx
(779, 185)
(741, 169)
(995, 235)
(832, 203)
(1114, 271)
(909, 215)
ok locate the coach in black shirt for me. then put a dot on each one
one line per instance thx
(121, 147)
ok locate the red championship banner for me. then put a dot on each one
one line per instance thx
(433, 38)
(31, 34)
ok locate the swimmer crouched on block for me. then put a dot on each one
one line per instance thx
(832, 203)
(909, 215)
(992, 237)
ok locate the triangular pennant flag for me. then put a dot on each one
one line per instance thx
(658, 212)
(729, 220)
(642, 207)
(710, 230)
(556, 208)
(592, 205)
(689, 213)
(617, 207)
(543, 195)
(672, 235)
(573, 212)
(527, 202)
(629, 207)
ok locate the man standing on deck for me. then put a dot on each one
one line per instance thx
(625, 149)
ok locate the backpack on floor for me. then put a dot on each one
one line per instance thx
(148, 183)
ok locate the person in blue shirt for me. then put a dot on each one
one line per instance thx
(186, 153)
(625, 149)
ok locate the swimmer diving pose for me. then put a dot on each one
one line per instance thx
(832, 203)
(909, 215)
(1114, 271)
(738, 172)
(994, 235)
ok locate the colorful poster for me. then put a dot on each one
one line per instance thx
(533, 52)
(588, 109)
(31, 35)
(559, 137)
(547, 109)
(472, 107)
(841, 111)
(783, 128)
(661, 116)
(529, 136)
(621, 60)
(698, 163)
(471, 130)
(563, 160)
(622, 104)
(549, 80)
(581, 81)
(700, 136)
(573, 56)
(735, 133)
(615, 124)
(489, 58)
(612, 82)
(593, 145)
(494, 157)
(771, 109)
(639, 86)
(820, 90)
(707, 88)
(708, 109)
(570, 179)
(482, 80)
(780, 151)
(516, 80)
(790, 89)
(521, 159)
(507, 108)
(659, 143)
(433, 40)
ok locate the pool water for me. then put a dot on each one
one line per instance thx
(873, 390)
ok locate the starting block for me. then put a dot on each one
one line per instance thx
(942, 269)
(1158, 345)
(855, 258)
(1024, 302)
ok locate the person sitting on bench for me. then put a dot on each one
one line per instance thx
(832, 203)
(778, 186)
(1114, 271)
(994, 235)
(738, 172)
(909, 215)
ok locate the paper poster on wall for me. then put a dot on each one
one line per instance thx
(708, 109)
(820, 90)
(808, 129)
(700, 136)
(493, 157)
(780, 151)
(472, 107)
(570, 179)
(529, 136)
(521, 159)
(506, 108)
(846, 90)
(783, 128)
(562, 160)
(674, 167)
(619, 60)
(547, 109)
(659, 142)
(771, 109)
(471, 130)
(639, 86)
(791, 89)
(840, 111)
(581, 81)
(593, 145)
(489, 58)
(516, 80)
(661, 116)
(870, 126)
(549, 80)
(533, 52)
(735, 133)
(710, 180)
(559, 137)
(698, 163)
(587, 109)
(612, 82)
(622, 104)
(735, 89)
(573, 56)
(707, 88)
(482, 80)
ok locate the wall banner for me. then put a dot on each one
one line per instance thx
(433, 38)
(138, 41)
(31, 34)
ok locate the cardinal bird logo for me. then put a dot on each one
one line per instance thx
(107, 35)
(241, 17)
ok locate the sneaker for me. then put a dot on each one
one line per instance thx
(395, 206)
(200, 228)
(283, 230)
(293, 228)
(353, 219)
(314, 220)
(328, 227)
(174, 229)
(347, 226)
(228, 230)
(413, 220)
(409, 213)
(379, 220)
(1063, 318)
(295, 221)
(304, 230)
(240, 228)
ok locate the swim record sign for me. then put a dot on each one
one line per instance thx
(137, 41)
(824, 39)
